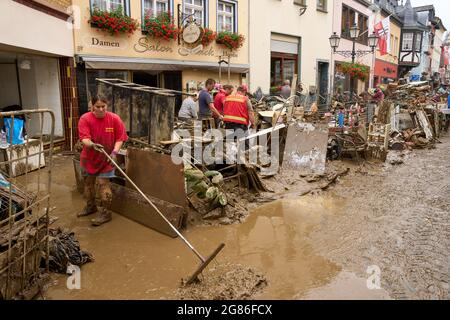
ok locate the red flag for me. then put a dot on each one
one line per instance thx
(382, 29)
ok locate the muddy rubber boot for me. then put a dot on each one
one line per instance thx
(104, 217)
(89, 209)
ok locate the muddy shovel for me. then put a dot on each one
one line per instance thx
(204, 262)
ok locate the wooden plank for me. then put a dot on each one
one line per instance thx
(132, 205)
(156, 175)
(162, 118)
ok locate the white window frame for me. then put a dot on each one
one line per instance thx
(108, 5)
(189, 8)
(221, 15)
(418, 42)
(154, 4)
(409, 41)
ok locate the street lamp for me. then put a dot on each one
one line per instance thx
(354, 32)
(354, 35)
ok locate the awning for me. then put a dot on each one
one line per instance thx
(137, 64)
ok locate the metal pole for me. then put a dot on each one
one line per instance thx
(220, 69)
(154, 207)
(351, 78)
(229, 70)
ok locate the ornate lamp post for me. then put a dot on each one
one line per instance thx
(354, 35)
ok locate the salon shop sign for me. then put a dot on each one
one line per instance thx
(191, 36)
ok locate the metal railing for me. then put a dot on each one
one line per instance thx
(25, 182)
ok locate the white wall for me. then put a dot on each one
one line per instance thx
(48, 91)
(41, 89)
(24, 27)
(9, 91)
(283, 17)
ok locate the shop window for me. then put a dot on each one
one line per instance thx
(407, 44)
(322, 5)
(197, 8)
(111, 5)
(226, 16)
(154, 7)
(283, 67)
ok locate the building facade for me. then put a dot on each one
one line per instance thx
(156, 61)
(36, 62)
(346, 14)
(290, 37)
(386, 65)
(438, 48)
(426, 18)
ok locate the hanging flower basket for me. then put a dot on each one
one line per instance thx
(230, 40)
(113, 22)
(208, 37)
(161, 26)
(356, 70)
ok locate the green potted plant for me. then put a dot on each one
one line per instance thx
(230, 40)
(113, 22)
(160, 26)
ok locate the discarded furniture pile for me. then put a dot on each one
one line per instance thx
(415, 116)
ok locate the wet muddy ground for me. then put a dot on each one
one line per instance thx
(316, 246)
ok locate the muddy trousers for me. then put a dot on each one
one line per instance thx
(105, 192)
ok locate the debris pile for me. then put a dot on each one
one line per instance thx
(64, 250)
(225, 282)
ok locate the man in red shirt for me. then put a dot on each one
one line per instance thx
(219, 100)
(99, 129)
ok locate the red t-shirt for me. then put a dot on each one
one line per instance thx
(107, 132)
(219, 100)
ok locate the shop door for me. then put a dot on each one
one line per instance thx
(173, 81)
(145, 78)
(322, 79)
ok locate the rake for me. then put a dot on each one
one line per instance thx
(204, 262)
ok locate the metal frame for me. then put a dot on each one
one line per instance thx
(20, 263)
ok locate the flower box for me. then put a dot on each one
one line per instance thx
(113, 22)
(208, 37)
(356, 70)
(230, 40)
(160, 26)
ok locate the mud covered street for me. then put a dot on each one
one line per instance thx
(398, 219)
(316, 246)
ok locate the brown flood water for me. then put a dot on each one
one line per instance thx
(133, 262)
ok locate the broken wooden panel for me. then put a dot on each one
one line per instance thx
(156, 175)
(425, 124)
(306, 148)
(162, 117)
(140, 113)
(132, 205)
(122, 105)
